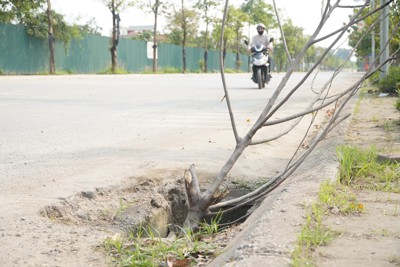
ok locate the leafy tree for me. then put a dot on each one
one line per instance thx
(232, 31)
(370, 24)
(42, 22)
(235, 20)
(116, 7)
(157, 7)
(259, 12)
(182, 24)
(204, 6)
(295, 40)
(19, 11)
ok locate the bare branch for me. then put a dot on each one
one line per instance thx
(353, 21)
(226, 96)
(282, 33)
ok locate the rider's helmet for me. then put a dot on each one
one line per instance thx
(260, 28)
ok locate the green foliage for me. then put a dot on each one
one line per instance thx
(336, 196)
(169, 70)
(182, 26)
(232, 39)
(313, 234)
(259, 12)
(163, 70)
(202, 64)
(144, 247)
(16, 11)
(397, 105)
(391, 82)
(360, 169)
(295, 41)
(118, 70)
(204, 6)
(365, 32)
(33, 15)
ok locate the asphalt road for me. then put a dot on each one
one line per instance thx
(64, 134)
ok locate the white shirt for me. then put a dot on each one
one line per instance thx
(260, 39)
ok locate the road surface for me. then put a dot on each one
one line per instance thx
(65, 134)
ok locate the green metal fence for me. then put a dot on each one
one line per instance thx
(24, 54)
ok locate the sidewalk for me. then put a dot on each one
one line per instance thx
(371, 239)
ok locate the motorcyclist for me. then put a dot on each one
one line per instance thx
(261, 38)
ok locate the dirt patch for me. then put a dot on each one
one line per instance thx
(368, 239)
(149, 201)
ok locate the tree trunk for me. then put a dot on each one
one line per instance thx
(237, 51)
(155, 37)
(114, 41)
(206, 46)
(183, 40)
(224, 51)
(200, 202)
(50, 38)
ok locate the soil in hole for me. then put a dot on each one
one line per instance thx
(123, 209)
(147, 203)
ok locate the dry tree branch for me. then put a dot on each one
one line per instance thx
(265, 115)
(266, 188)
(354, 21)
(202, 203)
(278, 179)
(282, 33)
(226, 93)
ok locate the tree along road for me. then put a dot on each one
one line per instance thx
(63, 134)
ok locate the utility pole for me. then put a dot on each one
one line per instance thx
(384, 45)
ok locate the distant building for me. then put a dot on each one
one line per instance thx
(135, 30)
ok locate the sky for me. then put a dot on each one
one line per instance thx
(304, 14)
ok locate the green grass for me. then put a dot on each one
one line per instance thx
(118, 70)
(395, 260)
(360, 169)
(143, 247)
(336, 197)
(163, 70)
(313, 234)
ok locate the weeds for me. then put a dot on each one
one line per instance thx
(387, 126)
(118, 70)
(144, 247)
(360, 169)
(395, 260)
(333, 195)
(163, 70)
(313, 234)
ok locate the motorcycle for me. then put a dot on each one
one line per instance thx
(260, 65)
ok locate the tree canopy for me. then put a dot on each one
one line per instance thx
(370, 27)
(32, 14)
